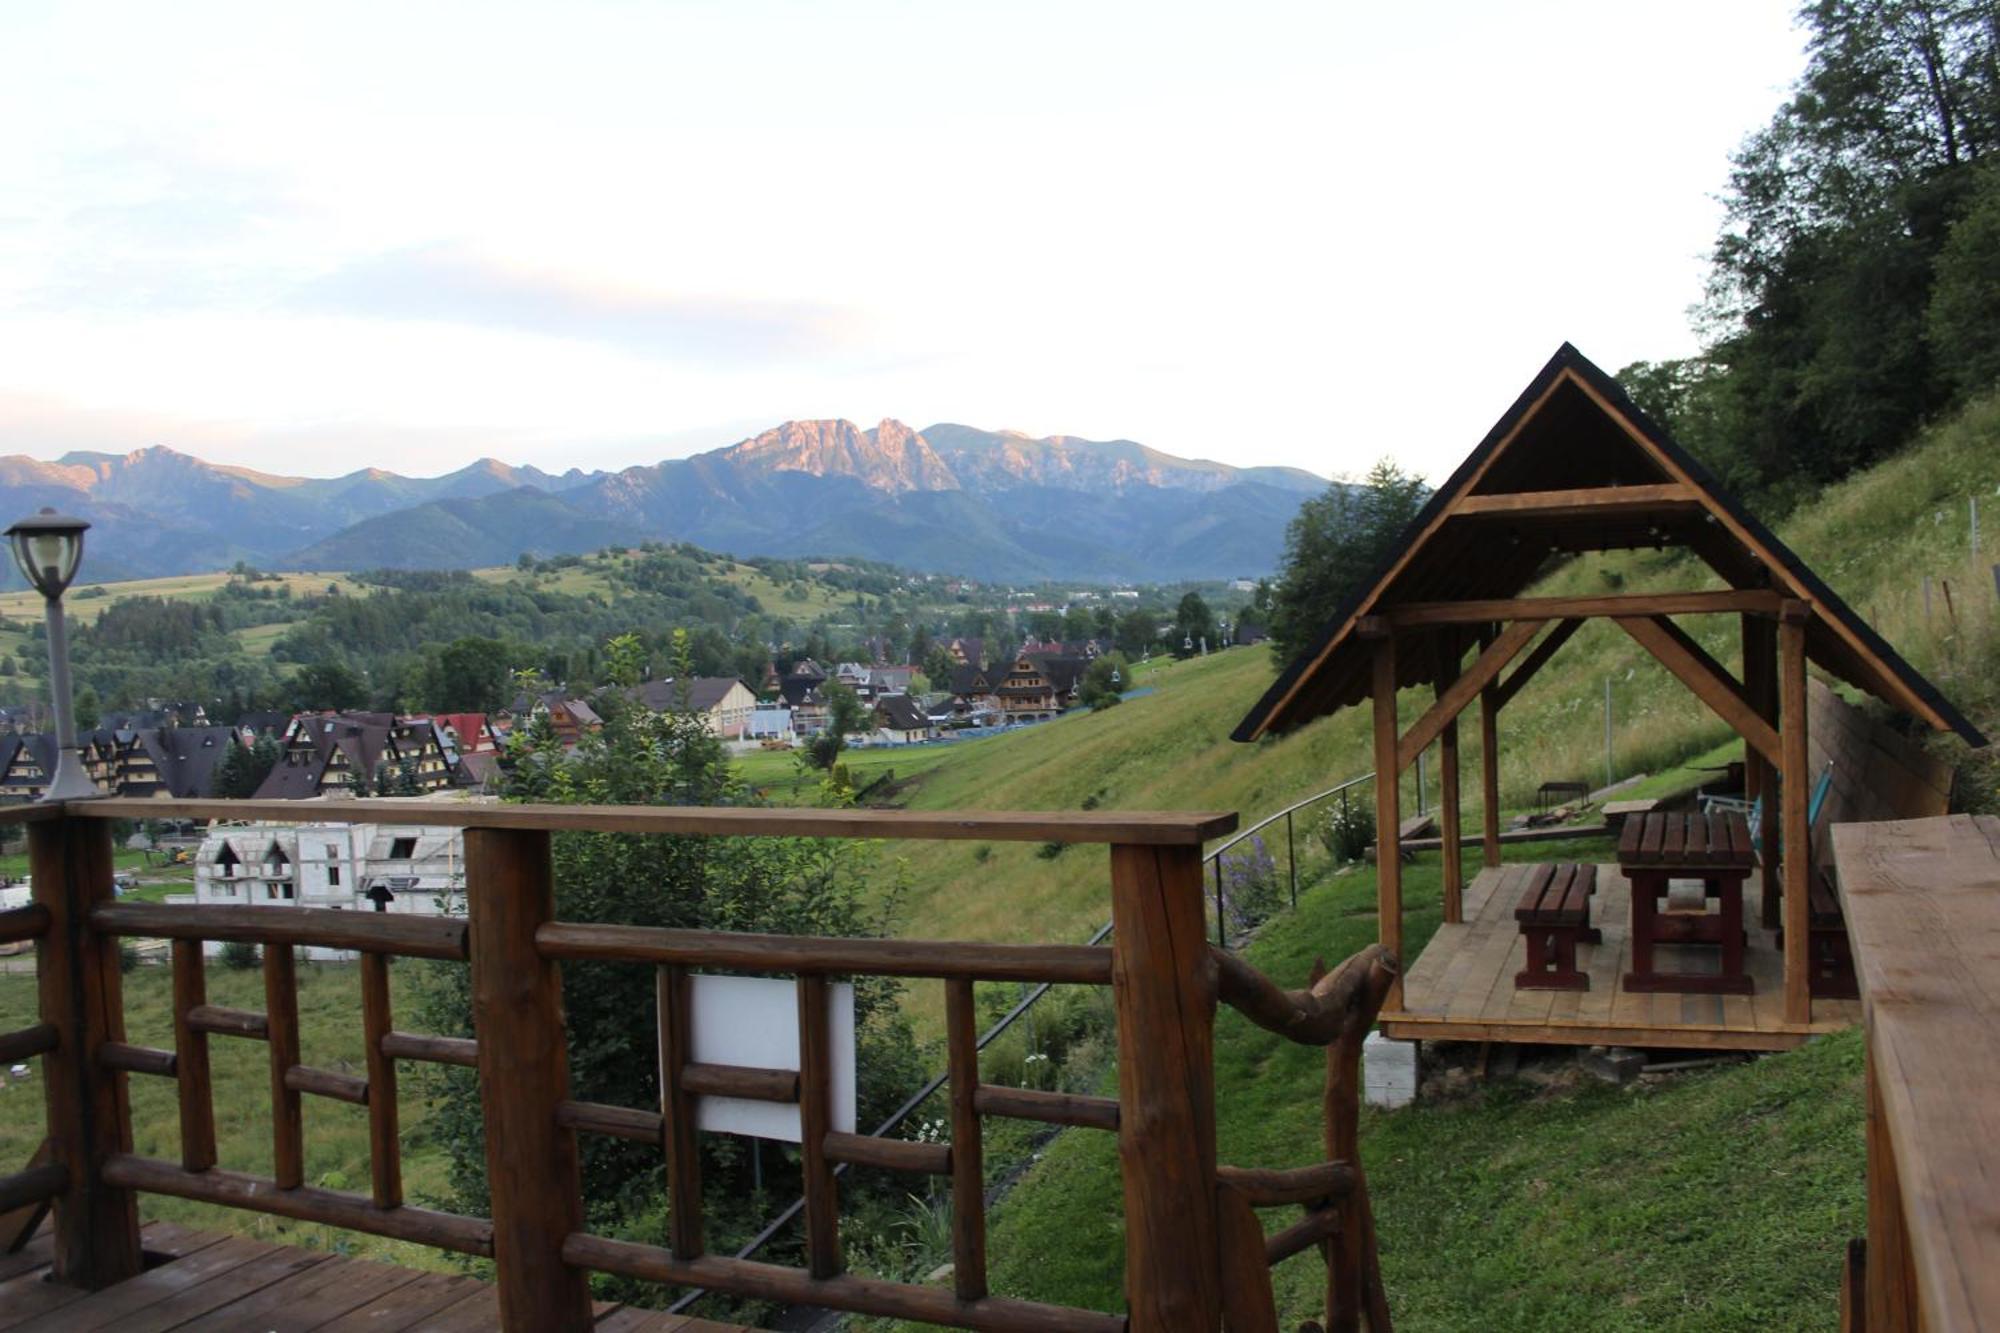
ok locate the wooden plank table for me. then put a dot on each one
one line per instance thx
(1922, 898)
(1714, 848)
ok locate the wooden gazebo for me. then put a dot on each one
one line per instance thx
(1574, 466)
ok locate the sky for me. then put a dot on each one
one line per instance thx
(313, 238)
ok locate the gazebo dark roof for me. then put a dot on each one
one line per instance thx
(1574, 430)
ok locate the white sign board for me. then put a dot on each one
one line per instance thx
(754, 1021)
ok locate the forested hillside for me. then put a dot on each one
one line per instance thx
(380, 638)
(1855, 289)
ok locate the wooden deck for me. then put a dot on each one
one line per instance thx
(1461, 987)
(210, 1281)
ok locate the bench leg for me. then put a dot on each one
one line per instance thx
(1551, 960)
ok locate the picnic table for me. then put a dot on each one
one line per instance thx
(1714, 848)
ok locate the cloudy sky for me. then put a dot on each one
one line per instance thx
(314, 238)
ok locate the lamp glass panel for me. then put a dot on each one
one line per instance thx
(40, 552)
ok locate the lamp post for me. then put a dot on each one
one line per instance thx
(48, 548)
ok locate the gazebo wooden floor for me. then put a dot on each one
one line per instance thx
(1461, 987)
(212, 1281)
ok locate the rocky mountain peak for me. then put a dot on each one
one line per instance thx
(891, 457)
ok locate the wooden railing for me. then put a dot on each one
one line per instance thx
(1195, 1253)
(1921, 902)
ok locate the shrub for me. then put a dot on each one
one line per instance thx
(1249, 882)
(240, 955)
(1347, 830)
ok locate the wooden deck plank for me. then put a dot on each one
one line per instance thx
(475, 1314)
(306, 1300)
(220, 1283)
(112, 1307)
(26, 1296)
(35, 1254)
(407, 1306)
(1460, 987)
(1490, 887)
(275, 1264)
(632, 1319)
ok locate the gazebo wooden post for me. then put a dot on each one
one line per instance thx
(1388, 813)
(1792, 797)
(1454, 862)
(1448, 816)
(1489, 763)
(1760, 685)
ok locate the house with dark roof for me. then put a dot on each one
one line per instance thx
(328, 753)
(146, 763)
(975, 693)
(27, 760)
(1031, 691)
(901, 720)
(724, 701)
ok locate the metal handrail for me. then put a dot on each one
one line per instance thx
(1290, 809)
(1291, 848)
(1020, 1010)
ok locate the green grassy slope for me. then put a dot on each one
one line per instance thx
(1713, 1201)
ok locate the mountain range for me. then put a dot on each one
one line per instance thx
(993, 505)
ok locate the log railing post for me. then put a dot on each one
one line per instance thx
(1163, 986)
(90, 1117)
(532, 1171)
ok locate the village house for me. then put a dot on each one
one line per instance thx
(901, 720)
(407, 868)
(801, 690)
(871, 682)
(975, 695)
(329, 753)
(472, 746)
(153, 762)
(724, 701)
(1029, 692)
(771, 724)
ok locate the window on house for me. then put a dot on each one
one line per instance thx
(226, 862)
(333, 877)
(286, 890)
(333, 851)
(402, 849)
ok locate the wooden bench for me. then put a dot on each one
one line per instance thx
(1554, 914)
